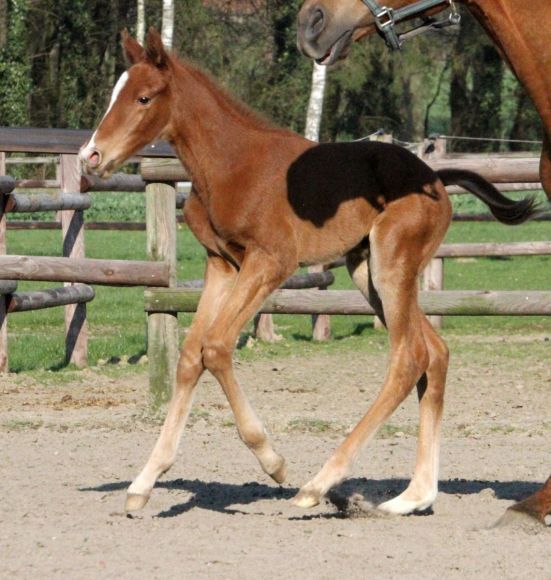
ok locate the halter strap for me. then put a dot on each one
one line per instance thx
(386, 19)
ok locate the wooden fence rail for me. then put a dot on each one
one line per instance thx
(348, 302)
(37, 300)
(7, 184)
(8, 286)
(86, 270)
(496, 170)
(21, 203)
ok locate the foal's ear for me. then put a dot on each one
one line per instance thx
(155, 50)
(133, 50)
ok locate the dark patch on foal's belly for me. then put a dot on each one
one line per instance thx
(327, 175)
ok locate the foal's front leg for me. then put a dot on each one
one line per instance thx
(219, 279)
(260, 274)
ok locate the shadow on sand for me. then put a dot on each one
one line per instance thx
(220, 497)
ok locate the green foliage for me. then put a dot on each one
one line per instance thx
(253, 55)
(63, 58)
(15, 82)
(70, 57)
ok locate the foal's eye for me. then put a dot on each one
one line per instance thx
(144, 100)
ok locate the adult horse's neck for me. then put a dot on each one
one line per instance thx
(210, 130)
(522, 31)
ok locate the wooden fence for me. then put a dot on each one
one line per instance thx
(164, 298)
(70, 200)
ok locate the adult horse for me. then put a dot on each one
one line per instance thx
(265, 200)
(522, 32)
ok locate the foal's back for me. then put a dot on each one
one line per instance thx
(337, 191)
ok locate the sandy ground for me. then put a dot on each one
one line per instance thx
(68, 451)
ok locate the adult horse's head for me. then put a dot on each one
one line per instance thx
(327, 28)
(139, 110)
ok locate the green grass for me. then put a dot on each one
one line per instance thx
(117, 320)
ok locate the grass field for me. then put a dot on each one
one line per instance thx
(117, 320)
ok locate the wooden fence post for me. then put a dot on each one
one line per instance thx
(4, 366)
(72, 225)
(433, 279)
(264, 328)
(321, 323)
(162, 328)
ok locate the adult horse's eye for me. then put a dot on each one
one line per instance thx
(144, 100)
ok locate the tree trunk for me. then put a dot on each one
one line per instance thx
(140, 21)
(167, 32)
(321, 323)
(315, 105)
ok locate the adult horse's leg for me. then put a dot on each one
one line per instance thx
(259, 276)
(545, 165)
(219, 279)
(537, 506)
(395, 259)
(423, 487)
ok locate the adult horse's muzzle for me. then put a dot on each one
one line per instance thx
(314, 41)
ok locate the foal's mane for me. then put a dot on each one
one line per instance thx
(228, 102)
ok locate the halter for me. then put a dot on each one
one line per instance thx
(386, 19)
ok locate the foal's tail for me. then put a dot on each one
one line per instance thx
(505, 210)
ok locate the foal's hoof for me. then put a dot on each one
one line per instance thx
(306, 498)
(280, 474)
(135, 502)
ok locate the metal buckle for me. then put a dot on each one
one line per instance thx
(454, 17)
(387, 13)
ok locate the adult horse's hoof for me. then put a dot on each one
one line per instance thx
(135, 502)
(517, 516)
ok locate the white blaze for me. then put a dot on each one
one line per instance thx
(116, 91)
(87, 151)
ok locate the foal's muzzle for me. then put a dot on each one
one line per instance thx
(90, 157)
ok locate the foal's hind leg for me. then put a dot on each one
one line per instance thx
(423, 487)
(396, 267)
(219, 279)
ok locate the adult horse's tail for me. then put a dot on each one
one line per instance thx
(505, 210)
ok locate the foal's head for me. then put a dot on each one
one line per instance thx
(139, 111)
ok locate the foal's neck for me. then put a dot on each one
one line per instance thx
(213, 133)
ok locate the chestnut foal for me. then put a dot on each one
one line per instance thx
(265, 200)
